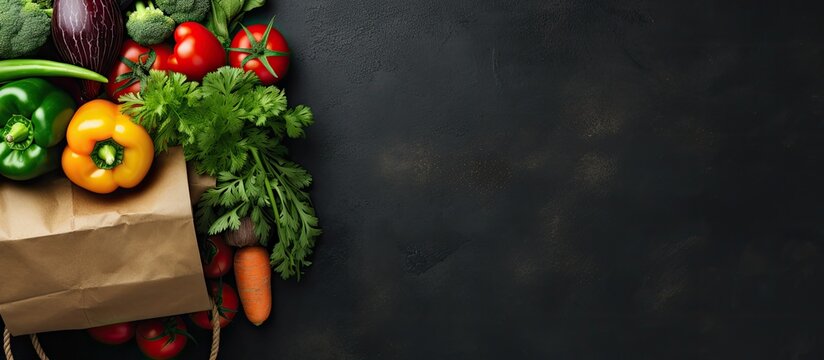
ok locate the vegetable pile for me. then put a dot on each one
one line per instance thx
(182, 73)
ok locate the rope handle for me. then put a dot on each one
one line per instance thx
(35, 342)
(215, 332)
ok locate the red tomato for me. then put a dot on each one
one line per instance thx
(114, 334)
(197, 53)
(216, 256)
(135, 68)
(265, 46)
(162, 339)
(227, 303)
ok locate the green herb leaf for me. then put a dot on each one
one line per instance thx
(233, 128)
(297, 119)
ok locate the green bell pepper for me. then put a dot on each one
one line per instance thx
(34, 115)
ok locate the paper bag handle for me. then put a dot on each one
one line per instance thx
(35, 342)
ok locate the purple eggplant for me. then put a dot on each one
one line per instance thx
(88, 33)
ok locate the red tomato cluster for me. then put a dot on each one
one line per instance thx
(217, 258)
(158, 339)
(259, 48)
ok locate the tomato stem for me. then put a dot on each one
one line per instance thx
(257, 49)
(139, 71)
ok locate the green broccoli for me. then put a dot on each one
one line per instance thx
(148, 25)
(185, 10)
(24, 28)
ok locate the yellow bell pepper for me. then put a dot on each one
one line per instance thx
(106, 150)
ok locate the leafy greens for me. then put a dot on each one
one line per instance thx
(233, 128)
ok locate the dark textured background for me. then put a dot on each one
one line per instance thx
(551, 179)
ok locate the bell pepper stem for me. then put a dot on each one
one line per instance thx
(18, 131)
(107, 153)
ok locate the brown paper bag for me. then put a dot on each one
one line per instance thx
(71, 259)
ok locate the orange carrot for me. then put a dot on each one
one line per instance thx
(253, 277)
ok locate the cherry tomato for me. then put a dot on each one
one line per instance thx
(257, 46)
(197, 52)
(162, 338)
(114, 334)
(134, 65)
(227, 302)
(216, 256)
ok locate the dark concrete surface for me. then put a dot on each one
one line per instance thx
(536, 179)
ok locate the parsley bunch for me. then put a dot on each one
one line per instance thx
(233, 128)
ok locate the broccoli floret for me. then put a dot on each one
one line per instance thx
(148, 25)
(185, 10)
(24, 28)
